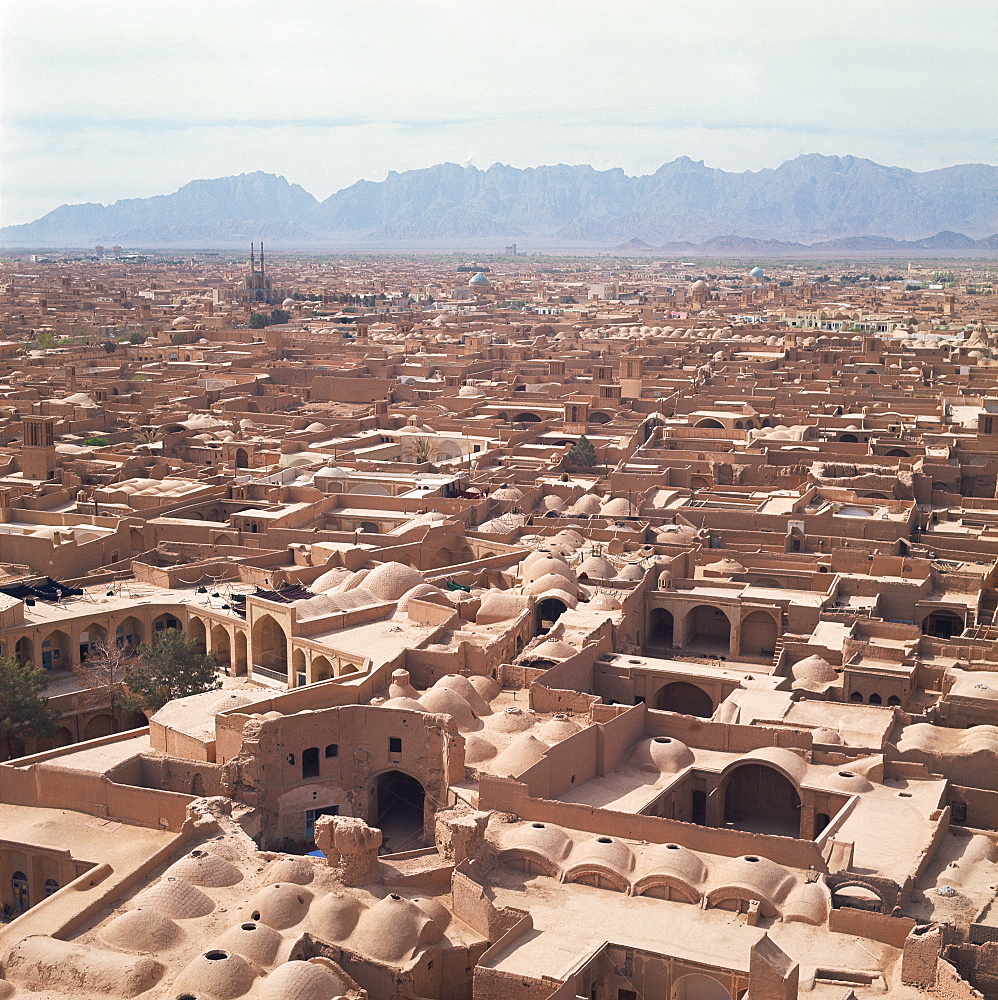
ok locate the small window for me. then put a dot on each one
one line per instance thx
(310, 763)
(333, 750)
(394, 744)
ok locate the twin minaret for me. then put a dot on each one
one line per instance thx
(253, 257)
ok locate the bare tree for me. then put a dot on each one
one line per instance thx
(103, 675)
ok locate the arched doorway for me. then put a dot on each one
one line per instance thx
(56, 651)
(548, 612)
(24, 650)
(198, 634)
(697, 986)
(241, 459)
(821, 820)
(322, 669)
(128, 635)
(708, 630)
(239, 664)
(270, 648)
(711, 423)
(164, 622)
(661, 626)
(685, 698)
(221, 646)
(760, 799)
(759, 634)
(942, 624)
(92, 640)
(20, 892)
(397, 807)
(849, 438)
(98, 726)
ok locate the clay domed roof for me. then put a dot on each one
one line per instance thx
(814, 669)
(499, 606)
(142, 929)
(280, 905)
(487, 687)
(545, 839)
(670, 860)
(559, 727)
(302, 981)
(603, 602)
(536, 566)
(477, 749)
(699, 285)
(331, 578)
(216, 973)
(411, 704)
(512, 719)
(201, 868)
(597, 568)
(464, 687)
(506, 493)
(252, 940)
(552, 582)
(334, 915)
(551, 649)
(524, 750)
(661, 755)
(442, 701)
(602, 852)
(175, 897)
(727, 567)
(391, 580)
(617, 507)
(632, 571)
(588, 503)
(290, 869)
(470, 391)
(393, 928)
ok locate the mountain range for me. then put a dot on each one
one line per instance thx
(840, 203)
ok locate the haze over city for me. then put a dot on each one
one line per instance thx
(105, 99)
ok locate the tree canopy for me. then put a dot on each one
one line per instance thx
(582, 453)
(169, 667)
(23, 708)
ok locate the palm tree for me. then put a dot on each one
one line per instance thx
(419, 450)
(147, 435)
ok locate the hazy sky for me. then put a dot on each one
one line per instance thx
(108, 99)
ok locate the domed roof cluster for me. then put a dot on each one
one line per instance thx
(668, 871)
(813, 673)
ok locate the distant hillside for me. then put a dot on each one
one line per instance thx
(811, 199)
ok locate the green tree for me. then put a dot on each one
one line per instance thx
(110, 346)
(582, 453)
(169, 667)
(279, 316)
(136, 337)
(97, 441)
(23, 708)
(258, 321)
(180, 337)
(45, 340)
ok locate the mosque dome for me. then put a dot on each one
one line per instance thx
(757, 272)
(699, 286)
(478, 280)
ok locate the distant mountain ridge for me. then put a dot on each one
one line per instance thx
(809, 200)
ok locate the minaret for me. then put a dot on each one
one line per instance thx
(261, 257)
(253, 257)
